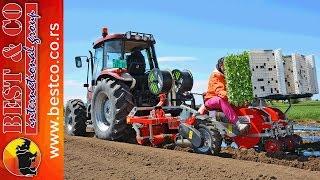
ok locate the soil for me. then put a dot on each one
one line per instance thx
(91, 158)
(285, 159)
(309, 122)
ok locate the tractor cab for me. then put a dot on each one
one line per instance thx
(131, 52)
(127, 57)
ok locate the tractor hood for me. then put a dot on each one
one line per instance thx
(120, 74)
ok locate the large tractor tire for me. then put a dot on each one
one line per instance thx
(211, 141)
(111, 103)
(75, 118)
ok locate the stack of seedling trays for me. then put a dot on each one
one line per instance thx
(270, 75)
(300, 74)
(267, 73)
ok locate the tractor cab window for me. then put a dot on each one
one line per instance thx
(98, 59)
(137, 59)
(112, 53)
(137, 55)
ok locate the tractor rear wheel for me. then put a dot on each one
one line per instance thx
(211, 141)
(111, 103)
(75, 118)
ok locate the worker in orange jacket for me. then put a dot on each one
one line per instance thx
(216, 97)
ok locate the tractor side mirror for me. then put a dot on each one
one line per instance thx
(78, 62)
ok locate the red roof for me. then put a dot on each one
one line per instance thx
(108, 37)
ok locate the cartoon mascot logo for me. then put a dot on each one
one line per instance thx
(22, 157)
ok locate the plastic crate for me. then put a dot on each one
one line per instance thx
(300, 74)
(312, 74)
(267, 73)
(289, 80)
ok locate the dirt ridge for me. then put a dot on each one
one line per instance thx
(91, 158)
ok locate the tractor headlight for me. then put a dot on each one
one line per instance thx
(145, 38)
(137, 37)
(128, 35)
(151, 38)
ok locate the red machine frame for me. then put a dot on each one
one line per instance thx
(268, 125)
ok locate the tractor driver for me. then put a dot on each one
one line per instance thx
(216, 98)
(136, 63)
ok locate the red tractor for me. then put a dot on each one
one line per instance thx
(130, 97)
(117, 81)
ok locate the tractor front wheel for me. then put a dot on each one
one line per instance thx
(75, 118)
(112, 102)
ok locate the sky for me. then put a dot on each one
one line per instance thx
(192, 34)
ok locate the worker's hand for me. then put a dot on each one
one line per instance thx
(202, 109)
(223, 95)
